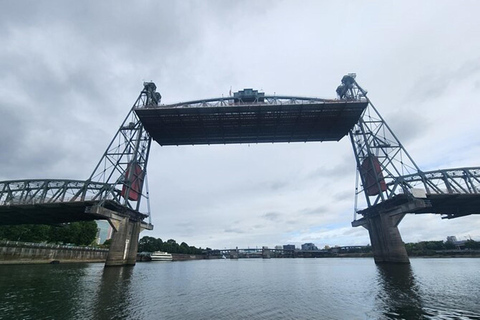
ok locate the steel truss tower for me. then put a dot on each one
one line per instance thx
(380, 157)
(386, 170)
(393, 185)
(123, 166)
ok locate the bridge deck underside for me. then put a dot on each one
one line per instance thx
(455, 205)
(49, 213)
(452, 205)
(251, 123)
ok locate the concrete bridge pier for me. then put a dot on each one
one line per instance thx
(385, 238)
(382, 226)
(124, 244)
(124, 241)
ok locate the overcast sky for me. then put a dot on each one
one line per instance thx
(71, 70)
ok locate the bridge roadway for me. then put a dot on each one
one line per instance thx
(59, 212)
(449, 205)
(56, 201)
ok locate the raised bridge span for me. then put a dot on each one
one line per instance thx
(251, 118)
(389, 183)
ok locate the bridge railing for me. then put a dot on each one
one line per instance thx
(232, 101)
(54, 191)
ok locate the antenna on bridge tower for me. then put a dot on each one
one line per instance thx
(124, 163)
(381, 159)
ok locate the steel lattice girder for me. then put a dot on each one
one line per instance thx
(52, 191)
(56, 201)
(294, 120)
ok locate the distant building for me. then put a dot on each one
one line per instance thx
(289, 247)
(451, 239)
(309, 246)
(278, 247)
(104, 231)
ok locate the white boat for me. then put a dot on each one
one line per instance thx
(161, 256)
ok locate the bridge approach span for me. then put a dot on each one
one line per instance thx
(55, 201)
(452, 193)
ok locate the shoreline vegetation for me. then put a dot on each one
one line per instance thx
(467, 248)
(81, 233)
(181, 252)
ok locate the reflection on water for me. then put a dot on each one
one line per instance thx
(244, 289)
(429, 289)
(398, 295)
(45, 291)
(113, 299)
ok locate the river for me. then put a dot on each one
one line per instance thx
(328, 288)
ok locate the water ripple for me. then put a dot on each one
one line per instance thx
(244, 289)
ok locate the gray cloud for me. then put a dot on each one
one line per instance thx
(272, 216)
(344, 195)
(315, 211)
(234, 230)
(72, 70)
(437, 83)
(343, 168)
(408, 126)
(277, 185)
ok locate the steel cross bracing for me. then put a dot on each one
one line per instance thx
(384, 167)
(119, 176)
(230, 101)
(23, 192)
(448, 181)
(123, 166)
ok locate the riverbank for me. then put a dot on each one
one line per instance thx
(16, 252)
(448, 254)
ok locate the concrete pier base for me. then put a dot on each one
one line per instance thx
(124, 244)
(124, 241)
(385, 238)
(382, 225)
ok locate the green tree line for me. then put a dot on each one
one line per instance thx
(151, 244)
(79, 233)
(430, 247)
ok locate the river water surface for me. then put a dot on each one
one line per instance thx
(330, 288)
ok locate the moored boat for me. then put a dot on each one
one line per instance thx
(161, 256)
